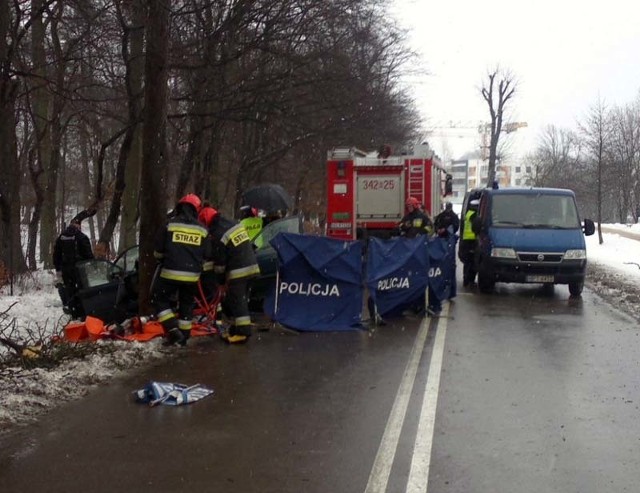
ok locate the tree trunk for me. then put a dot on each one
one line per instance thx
(34, 222)
(10, 244)
(135, 84)
(152, 191)
(41, 107)
(106, 233)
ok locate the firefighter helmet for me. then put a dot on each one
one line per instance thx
(191, 199)
(206, 215)
(413, 202)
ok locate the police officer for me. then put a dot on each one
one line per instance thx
(70, 247)
(415, 222)
(181, 246)
(445, 220)
(467, 249)
(234, 262)
(251, 221)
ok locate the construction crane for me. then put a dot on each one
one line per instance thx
(480, 127)
(455, 128)
(485, 131)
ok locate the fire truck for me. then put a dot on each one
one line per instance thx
(366, 194)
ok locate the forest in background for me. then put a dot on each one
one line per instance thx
(599, 160)
(119, 107)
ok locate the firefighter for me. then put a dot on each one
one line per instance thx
(234, 264)
(445, 220)
(415, 222)
(70, 247)
(180, 248)
(467, 249)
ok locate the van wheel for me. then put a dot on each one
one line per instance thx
(485, 283)
(575, 288)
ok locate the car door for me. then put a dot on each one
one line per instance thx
(267, 256)
(100, 281)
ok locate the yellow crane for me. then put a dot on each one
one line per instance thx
(484, 130)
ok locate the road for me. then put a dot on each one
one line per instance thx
(518, 391)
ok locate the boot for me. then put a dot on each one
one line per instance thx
(234, 336)
(174, 336)
(186, 334)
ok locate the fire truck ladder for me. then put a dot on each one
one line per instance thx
(416, 178)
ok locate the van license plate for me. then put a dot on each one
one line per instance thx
(539, 278)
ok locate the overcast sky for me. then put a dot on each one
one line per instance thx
(564, 53)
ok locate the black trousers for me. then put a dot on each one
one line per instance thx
(179, 297)
(466, 253)
(68, 295)
(236, 305)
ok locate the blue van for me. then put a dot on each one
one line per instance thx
(530, 235)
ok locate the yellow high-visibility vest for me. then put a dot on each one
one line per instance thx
(253, 225)
(467, 233)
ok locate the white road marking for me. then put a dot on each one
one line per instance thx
(381, 469)
(421, 459)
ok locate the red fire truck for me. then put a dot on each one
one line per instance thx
(366, 195)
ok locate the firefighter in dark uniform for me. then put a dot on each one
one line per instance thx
(415, 222)
(467, 249)
(180, 248)
(70, 247)
(233, 262)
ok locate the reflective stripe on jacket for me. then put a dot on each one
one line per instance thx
(232, 249)
(181, 246)
(416, 223)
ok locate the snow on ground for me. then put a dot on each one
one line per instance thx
(614, 267)
(35, 311)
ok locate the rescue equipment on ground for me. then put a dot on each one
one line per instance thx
(170, 394)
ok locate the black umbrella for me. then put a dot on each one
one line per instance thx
(269, 197)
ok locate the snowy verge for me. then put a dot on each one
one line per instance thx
(28, 393)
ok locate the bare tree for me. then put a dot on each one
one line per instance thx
(11, 32)
(625, 149)
(152, 192)
(233, 94)
(132, 51)
(499, 87)
(556, 159)
(596, 131)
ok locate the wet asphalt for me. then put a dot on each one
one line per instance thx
(537, 392)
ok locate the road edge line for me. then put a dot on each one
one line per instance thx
(421, 458)
(381, 469)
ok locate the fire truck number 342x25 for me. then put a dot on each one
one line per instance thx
(379, 184)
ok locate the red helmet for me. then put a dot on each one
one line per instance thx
(191, 199)
(206, 215)
(413, 202)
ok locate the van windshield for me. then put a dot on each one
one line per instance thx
(534, 211)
